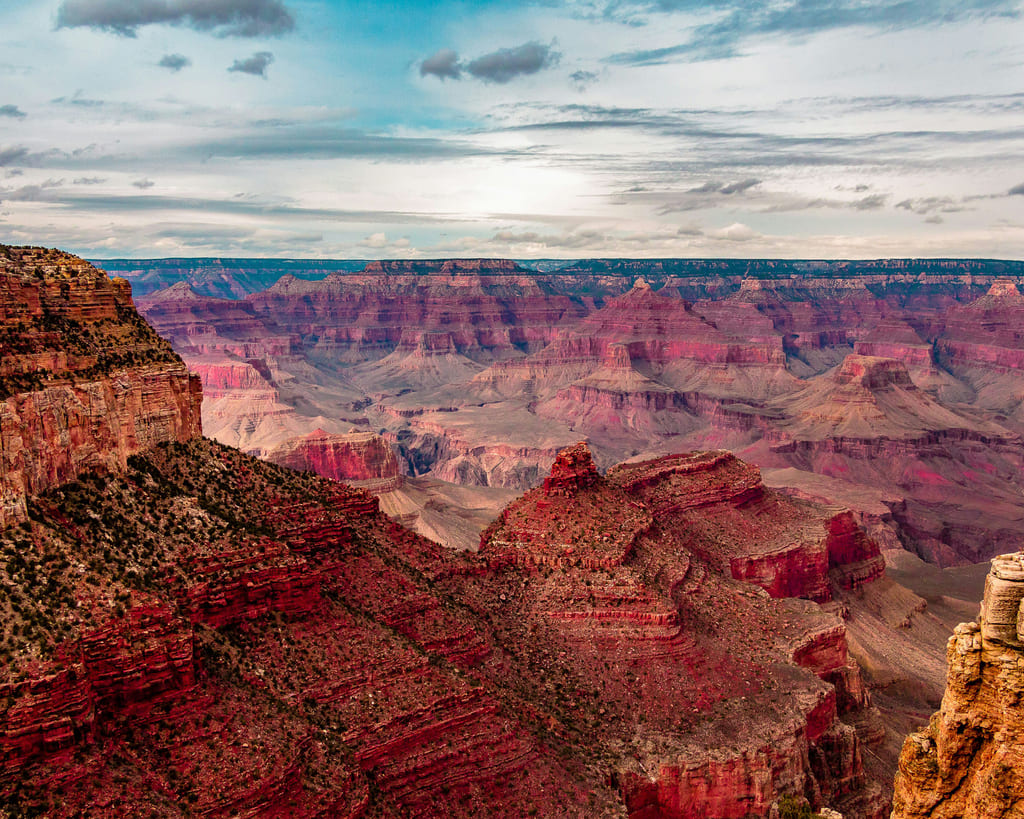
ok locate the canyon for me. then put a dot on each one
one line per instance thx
(892, 387)
(656, 627)
(189, 629)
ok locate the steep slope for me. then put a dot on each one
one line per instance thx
(981, 343)
(490, 308)
(969, 762)
(356, 456)
(213, 634)
(253, 640)
(643, 607)
(84, 381)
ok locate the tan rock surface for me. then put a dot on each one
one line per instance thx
(969, 762)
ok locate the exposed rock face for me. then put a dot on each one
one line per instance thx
(572, 471)
(491, 309)
(873, 373)
(84, 381)
(256, 640)
(361, 457)
(969, 762)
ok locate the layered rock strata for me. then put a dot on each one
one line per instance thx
(623, 568)
(356, 457)
(208, 633)
(480, 370)
(84, 381)
(969, 762)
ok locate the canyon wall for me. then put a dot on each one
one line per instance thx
(84, 381)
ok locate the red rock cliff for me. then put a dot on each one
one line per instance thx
(84, 381)
(355, 456)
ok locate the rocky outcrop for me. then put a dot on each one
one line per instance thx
(854, 559)
(121, 668)
(361, 457)
(572, 471)
(969, 762)
(84, 381)
(791, 551)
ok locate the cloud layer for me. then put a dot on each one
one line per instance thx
(542, 129)
(227, 18)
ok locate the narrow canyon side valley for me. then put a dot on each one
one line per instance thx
(659, 539)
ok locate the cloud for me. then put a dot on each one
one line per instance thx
(736, 232)
(872, 201)
(506, 64)
(443, 64)
(742, 20)
(225, 18)
(726, 188)
(738, 187)
(143, 184)
(931, 204)
(583, 79)
(79, 100)
(240, 205)
(31, 193)
(14, 155)
(500, 66)
(786, 203)
(575, 239)
(175, 62)
(375, 241)
(1016, 190)
(12, 111)
(256, 64)
(315, 141)
(88, 180)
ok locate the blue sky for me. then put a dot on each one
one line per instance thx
(792, 128)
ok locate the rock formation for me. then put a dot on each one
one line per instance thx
(202, 632)
(623, 572)
(84, 381)
(969, 762)
(356, 457)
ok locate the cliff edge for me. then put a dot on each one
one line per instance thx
(85, 382)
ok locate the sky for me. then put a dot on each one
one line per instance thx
(393, 129)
